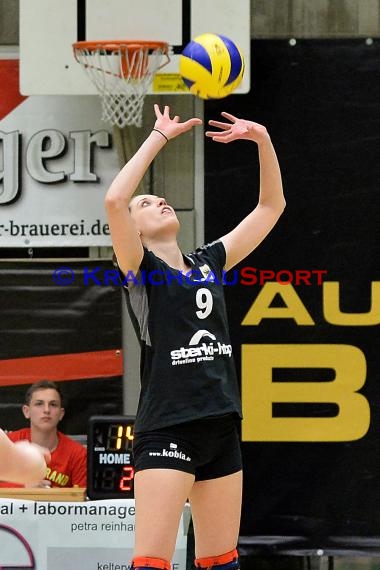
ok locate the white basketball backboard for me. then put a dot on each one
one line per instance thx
(48, 28)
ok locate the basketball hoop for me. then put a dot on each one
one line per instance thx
(122, 72)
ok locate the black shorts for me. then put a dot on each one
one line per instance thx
(208, 448)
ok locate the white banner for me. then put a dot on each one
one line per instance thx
(57, 159)
(92, 535)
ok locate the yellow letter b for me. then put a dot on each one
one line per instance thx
(260, 392)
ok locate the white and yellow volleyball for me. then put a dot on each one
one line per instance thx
(212, 66)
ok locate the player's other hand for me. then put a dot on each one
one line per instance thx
(237, 129)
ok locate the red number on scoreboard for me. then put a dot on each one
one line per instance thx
(126, 482)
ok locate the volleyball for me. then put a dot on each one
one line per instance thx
(212, 66)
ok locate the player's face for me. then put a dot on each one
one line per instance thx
(153, 216)
(44, 410)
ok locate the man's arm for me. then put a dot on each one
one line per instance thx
(79, 467)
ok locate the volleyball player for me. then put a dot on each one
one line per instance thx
(186, 438)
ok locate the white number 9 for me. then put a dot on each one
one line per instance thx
(204, 302)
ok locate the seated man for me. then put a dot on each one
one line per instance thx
(68, 463)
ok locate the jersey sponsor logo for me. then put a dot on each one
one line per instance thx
(172, 452)
(196, 352)
(199, 335)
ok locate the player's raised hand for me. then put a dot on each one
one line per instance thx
(172, 127)
(237, 129)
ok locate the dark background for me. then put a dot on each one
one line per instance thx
(320, 103)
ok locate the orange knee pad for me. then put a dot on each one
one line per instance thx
(142, 562)
(227, 561)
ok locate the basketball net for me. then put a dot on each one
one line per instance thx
(122, 72)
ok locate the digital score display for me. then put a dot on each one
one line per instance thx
(110, 469)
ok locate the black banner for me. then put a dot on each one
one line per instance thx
(61, 321)
(306, 334)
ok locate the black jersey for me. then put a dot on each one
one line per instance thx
(187, 367)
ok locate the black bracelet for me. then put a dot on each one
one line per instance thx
(161, 133)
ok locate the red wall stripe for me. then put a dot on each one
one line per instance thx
(61, 367)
